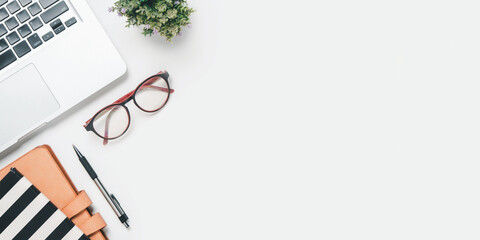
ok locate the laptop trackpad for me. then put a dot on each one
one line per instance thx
(25, 101)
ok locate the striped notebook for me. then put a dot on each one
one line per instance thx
(25, 213)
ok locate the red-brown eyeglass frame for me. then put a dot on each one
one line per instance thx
(125, 99)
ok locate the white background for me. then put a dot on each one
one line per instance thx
(293, 120)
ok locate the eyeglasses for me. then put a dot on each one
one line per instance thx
(113, 121)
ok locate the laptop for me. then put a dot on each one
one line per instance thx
(53, 54)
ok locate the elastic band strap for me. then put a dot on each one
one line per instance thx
(80, 203)
(92, 225)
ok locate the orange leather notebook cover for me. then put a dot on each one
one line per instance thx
(41, 167)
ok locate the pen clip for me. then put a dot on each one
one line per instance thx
(117, 204)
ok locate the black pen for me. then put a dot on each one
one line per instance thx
(109, 197)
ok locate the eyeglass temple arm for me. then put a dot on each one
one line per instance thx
(158, 88)
(149, 82)
(107, 123)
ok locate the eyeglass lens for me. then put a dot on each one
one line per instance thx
(111, 122)
(152, 94)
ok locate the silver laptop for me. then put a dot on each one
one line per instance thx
(53, 54)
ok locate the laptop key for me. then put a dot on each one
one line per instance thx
(59, 29)
(47, 36)
(6, 58)
(3, 44)
(47, 3)
(23, 16)
(36, 23)
(3, 14)
(11, 23)
(13, 7)
(22, 48)
(70, 21)
(56, 23)
(3, 2)
(34, 9)
(24, 2)
(24, 30)
(57, 26)
(34, 40)
(54, 12)
(3, 30)
(13, 38)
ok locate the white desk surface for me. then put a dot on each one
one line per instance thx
(293, 120)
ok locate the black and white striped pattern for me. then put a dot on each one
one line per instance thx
(25, 213)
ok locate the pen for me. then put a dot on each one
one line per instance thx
(109, 197)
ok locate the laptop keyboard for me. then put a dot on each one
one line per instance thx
(19, 22)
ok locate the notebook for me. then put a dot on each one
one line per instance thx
(25, 213)
(43, 169)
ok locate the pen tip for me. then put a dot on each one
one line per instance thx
(77, 151)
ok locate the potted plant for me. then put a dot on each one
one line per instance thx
(163, 17)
